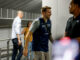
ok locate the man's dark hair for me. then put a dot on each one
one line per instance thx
(44, 9)
(76, 2)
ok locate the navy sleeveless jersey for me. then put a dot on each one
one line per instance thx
(41, 36)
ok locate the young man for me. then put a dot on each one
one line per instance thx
(73, 24)
(41, 30)
(16, 31)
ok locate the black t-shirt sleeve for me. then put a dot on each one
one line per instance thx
(68, 27)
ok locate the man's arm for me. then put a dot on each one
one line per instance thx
(19, 41)
(25, 51)
(17, 31)
(35, 24)
(32, 28)
(68, 26)
(27, 39)
(51, 39)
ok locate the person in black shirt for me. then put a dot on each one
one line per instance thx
(73, 24)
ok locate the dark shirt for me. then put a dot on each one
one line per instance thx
(73, 27)
(41, 36)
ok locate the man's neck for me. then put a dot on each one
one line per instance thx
(76, 15)
(45, 19)
(19, 17)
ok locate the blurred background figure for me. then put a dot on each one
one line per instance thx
(16, 39)
(65, 49)
(25, 31)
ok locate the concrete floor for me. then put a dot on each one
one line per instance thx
(6, 33)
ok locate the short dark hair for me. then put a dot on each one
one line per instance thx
(44, 9)
(76, 2)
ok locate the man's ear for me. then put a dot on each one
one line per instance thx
(42, 13)
(79, 9)
(77, 6)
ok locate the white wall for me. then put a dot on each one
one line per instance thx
(60, 15)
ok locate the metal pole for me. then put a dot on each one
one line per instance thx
(7, 13)
(0, 53)
(8, 50)
(25, 15)
(12, 13)
(1, 12)
(31, 15)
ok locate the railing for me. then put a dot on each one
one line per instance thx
(8, 49)
(11, 13)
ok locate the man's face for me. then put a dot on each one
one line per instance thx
(47, 14)
(72, 7)
(21, 15)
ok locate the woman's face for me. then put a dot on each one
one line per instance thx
(29, 24)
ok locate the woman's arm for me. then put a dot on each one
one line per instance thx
(23, 31)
